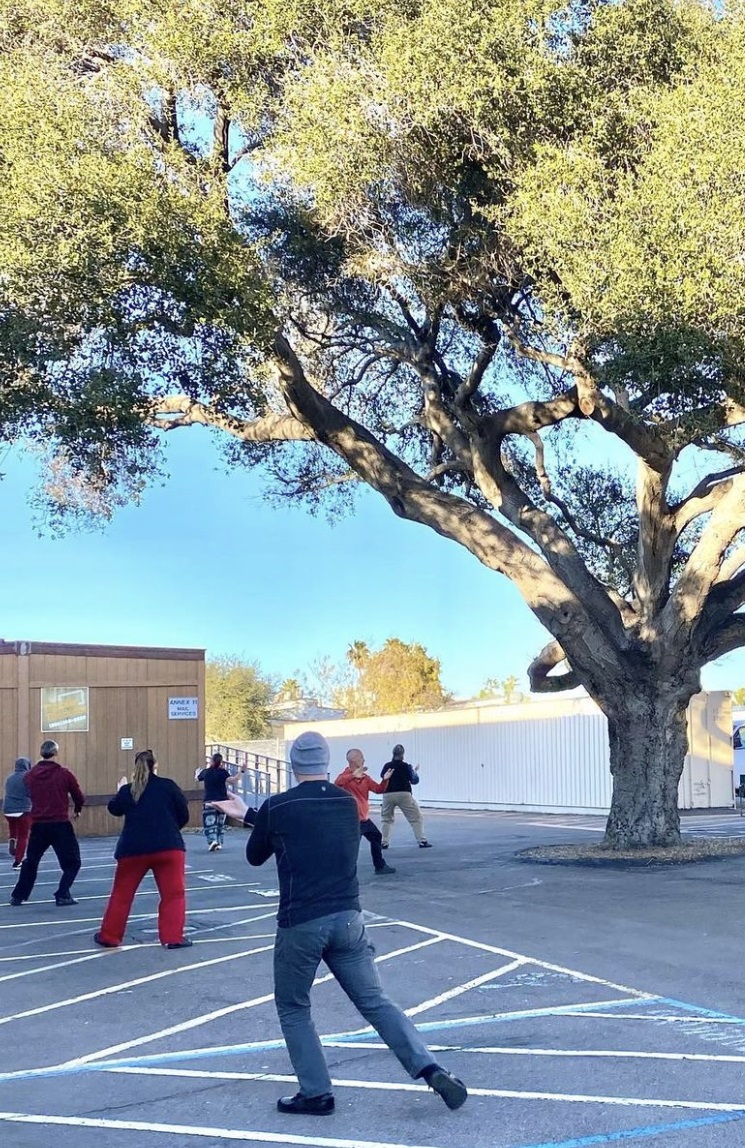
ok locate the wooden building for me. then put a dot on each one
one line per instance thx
(102, 704)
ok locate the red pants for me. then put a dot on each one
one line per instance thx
(18, 830)
(168, 870)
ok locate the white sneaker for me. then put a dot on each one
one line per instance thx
(213, 846)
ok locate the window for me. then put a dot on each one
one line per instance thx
(64, 709)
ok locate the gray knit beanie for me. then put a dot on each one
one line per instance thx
(310, 753)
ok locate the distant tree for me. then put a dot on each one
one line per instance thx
(504, 691)
(290, 690)
(398, 677)
(738, 696)
(238, 699)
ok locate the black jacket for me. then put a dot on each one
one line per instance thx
(404, 776)
(314, 832)
(154, 823)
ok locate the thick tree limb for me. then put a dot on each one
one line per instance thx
(705, 561)
(176, 411)
(724, 639)
(705, 497)
(591, 403)
(542, 681)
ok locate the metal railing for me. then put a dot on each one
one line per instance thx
(260, 775)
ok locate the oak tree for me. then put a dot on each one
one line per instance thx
(487, 260)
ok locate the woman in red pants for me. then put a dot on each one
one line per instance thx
(154, 811)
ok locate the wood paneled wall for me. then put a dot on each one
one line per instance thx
(128, 696)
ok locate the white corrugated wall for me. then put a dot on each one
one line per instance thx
(547, 757)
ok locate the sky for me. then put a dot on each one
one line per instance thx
(204, 562)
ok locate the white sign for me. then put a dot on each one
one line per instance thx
(127, 743)
(180, 708)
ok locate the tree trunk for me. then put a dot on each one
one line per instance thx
(648, 745)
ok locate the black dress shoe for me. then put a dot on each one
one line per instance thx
(62, 901)
(185, 944)
(452, 1090)
(307, 1105)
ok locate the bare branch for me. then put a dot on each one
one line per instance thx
(542, 681)
(705, 497)
(591, 403)
(176, 411)
(705, 561)
(545, 481)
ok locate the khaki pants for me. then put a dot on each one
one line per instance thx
(411, 811)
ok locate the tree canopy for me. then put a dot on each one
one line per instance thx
(238, 700)
(440, 248)
(396, 678)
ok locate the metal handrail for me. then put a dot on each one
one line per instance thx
(260, 773)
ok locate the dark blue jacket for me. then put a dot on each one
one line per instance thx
(314, 832)
(154, 823)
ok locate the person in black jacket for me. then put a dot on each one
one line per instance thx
(154, 811)
(398, 795)
(313, 832)
(216, 779)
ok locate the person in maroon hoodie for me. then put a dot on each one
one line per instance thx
(51, 786)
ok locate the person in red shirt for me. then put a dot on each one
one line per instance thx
(51, 787)
(355, 780)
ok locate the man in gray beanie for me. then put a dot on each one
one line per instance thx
(313, 832)
(17, 811)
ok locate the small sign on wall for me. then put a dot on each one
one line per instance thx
(127, 743)
(181, 708)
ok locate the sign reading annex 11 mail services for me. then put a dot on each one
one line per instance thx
(179, 708)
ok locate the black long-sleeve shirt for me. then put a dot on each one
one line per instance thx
(313, 830)
(154, 823)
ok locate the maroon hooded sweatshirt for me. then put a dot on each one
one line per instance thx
(51, 786)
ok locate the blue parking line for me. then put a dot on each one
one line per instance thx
(646, 1131)
(158, 1059)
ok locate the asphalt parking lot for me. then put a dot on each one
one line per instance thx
(581, 1006)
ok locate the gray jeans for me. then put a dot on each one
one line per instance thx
(341, 941)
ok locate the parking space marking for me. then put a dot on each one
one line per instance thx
(134, 917)
(464, 988)
(122, 985)
(494, 1093)
(205, 1132)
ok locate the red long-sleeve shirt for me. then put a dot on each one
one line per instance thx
(360, 788)
(51, 786)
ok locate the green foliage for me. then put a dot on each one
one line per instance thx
(395, 186)
(238, 697)
(502, 690)
(738, 696)
(397, 678)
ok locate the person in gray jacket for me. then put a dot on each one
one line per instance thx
(17, 811)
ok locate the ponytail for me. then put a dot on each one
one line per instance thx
(144, 766)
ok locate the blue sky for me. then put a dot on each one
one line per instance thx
(204, 562)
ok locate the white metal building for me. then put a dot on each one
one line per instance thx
(548, 756)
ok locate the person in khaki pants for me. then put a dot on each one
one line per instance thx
(401, 777)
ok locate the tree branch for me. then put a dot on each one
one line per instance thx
(591, 403)
(729, 636)
(705, 497)
(704, 564)
(542, 681)
(176, 411)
